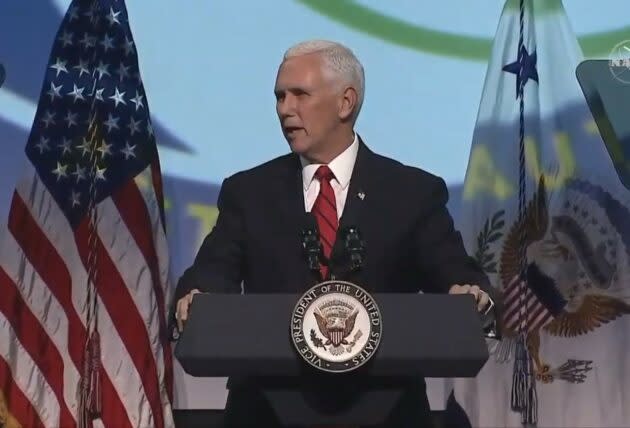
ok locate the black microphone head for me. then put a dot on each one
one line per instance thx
(354, 246)
(310, 242)
(309, 226)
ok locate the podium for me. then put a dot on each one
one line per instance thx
(248, 336)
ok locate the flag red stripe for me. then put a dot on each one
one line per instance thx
(535, 312)
(514, 299)
(525, 302)
(52, 269)
(539, 319)
(511, 313)
(36, 342)
(19, 406)
(134, 213)
(127, 321)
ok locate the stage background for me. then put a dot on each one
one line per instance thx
(209, 69)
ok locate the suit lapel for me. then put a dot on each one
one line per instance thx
(357, 199)
(293, 211)
(293, 216)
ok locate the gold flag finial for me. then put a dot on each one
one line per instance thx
(7, 420)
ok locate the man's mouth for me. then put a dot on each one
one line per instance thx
(291, 129)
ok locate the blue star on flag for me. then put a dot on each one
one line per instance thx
(525, 64)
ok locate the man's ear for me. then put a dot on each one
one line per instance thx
(348, 103)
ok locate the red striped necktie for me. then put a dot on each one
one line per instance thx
(325, 212)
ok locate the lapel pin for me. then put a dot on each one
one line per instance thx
(361, 195)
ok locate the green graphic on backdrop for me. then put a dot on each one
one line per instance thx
(402, 33)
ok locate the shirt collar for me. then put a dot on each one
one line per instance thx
(341, 166)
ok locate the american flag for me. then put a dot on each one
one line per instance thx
(531, 303)
(84, 270)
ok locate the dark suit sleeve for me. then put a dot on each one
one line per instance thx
(442, 257)
(218, 266)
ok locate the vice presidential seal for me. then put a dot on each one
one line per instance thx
(336, 326)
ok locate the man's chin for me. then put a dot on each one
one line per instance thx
(297, 146)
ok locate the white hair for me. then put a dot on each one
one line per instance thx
(338, 59)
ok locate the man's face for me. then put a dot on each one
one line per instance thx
(307, 103)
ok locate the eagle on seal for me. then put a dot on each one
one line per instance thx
(336, 328)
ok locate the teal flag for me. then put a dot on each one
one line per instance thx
(546, 215)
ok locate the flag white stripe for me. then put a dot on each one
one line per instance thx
(160, 241)
(116, 361)
(540, 320)
(533, 306)
(27, 376)
(134, 272)
(144, 182)
(511, 292)
(46, 309)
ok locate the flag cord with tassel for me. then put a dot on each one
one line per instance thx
(90, 399)
(523, 399)
(90, 384)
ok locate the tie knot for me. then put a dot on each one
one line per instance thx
(324, 173)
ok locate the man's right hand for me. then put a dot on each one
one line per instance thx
(182, 309)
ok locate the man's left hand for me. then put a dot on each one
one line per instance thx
(481, 297)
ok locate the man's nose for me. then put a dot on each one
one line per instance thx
(286, 106)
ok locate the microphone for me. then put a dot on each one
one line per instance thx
(354, 247)
(2, 75)
(310, 242)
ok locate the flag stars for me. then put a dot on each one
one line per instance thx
(88, 41)
(118, 97)
(59, 66)
(71, 119)
(105, 149)
(42, 145)
(102, 70)
(48, 119)
(91, 13)
(85, 147)
(99, 94)
(77, 93)
(107, 42)
(134, 126)
(79, 173)
(123, 71)
(66, 38)
(66, 146)
(524, 68)
(137, 100)
(112, 17)
(60, 171)
(75, 199)
(149, 129)
(100, 174)
(73, 13)
(128, 151)
(111, 122)
(82, 67)
(54, 91)
(128, 46)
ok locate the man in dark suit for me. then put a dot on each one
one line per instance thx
(255, 247)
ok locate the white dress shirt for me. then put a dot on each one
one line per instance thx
(341, 166)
